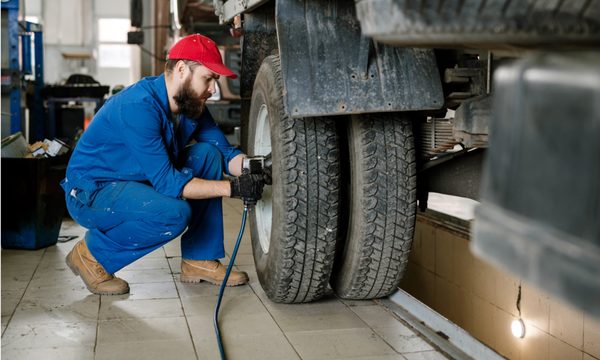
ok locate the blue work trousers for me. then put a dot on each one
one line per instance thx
(127, 220)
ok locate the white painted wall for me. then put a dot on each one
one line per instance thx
(67, 22)
(71, 26)
(111, 8)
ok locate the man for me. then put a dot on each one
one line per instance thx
(135, 185)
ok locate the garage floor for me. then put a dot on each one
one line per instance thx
(47, 313)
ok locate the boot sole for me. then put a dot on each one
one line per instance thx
(93, 291)
(197, 280)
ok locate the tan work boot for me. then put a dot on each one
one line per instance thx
(97, 280)
(195, 271)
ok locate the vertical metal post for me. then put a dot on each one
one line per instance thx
(26, 53)
(161, 16)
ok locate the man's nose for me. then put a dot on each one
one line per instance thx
(212, 88)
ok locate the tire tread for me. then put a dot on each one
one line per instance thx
(385, 218)
(311, 201)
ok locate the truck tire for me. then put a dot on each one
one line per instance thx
(481, 23)
(294, 227)
(382, 209)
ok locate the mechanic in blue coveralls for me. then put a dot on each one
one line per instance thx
(133, 182)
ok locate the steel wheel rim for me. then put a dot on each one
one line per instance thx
(264, 207)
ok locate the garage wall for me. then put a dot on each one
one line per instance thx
(71, 38)
(68, 38)
(482, 299)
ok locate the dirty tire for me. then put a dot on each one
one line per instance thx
(382, 211)
(481, 22)
(306, 188)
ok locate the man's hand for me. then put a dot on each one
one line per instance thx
(247, 187)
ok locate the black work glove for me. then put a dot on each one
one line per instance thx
(247, 187)
(268, 170)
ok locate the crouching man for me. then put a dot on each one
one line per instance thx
(135, 182)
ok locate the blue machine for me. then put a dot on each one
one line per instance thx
(13, 76)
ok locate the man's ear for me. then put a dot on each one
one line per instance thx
(180, 68)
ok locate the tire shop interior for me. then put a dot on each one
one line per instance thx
(394, 227)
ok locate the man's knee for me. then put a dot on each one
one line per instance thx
(177, 217)
(206, 161)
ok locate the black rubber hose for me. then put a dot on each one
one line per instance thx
(224, 283)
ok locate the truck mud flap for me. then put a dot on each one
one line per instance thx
(329, 68)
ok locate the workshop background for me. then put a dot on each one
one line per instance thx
(61, 60)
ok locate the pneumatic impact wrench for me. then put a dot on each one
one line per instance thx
(251, 165)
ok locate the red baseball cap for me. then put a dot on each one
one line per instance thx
(203, 50)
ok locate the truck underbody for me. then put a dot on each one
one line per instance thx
(368, 106)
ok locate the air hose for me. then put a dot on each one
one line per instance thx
(224, 283)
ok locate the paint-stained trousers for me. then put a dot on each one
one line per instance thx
(127, 220)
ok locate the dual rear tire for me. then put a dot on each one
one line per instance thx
(301, 242)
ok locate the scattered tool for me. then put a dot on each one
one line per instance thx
(251, 165)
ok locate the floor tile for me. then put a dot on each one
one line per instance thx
(54, 258)
(48, 335)
(70, 227)
(425, 355)
(60, 250)
(138, 309)
(55, 277)
(161, 290)
(243, 259)
(55, 316)
(403, 343)
(5, 320)
(50, 353)
(231, 306)
(10, 300)
(175, 264)
(335, 344)
(145, 276)
(173, 248)
(57, 306)
(16, 256)
(142, 330)
(250, 323)
(318, 315)
(144, 350)
(16, 275)
(158, 253)
(239, 342)
(379, 357)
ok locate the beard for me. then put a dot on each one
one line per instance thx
(188, 101)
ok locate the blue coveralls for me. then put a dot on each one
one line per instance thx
(126, 176)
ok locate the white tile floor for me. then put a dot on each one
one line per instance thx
(47, 313)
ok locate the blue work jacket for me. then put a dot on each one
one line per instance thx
(133, 138)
